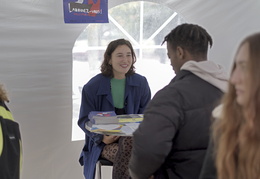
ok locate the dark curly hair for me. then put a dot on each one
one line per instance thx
(107, 69)
(190, 37)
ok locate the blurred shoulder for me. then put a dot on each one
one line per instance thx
(97, 80)
(99, 77)
(137, 77)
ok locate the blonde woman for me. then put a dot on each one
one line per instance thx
(236, 132)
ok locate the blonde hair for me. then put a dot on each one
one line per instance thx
(236, 133)
(3, 94)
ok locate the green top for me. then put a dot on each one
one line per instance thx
(118, 92)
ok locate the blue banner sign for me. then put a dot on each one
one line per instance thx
(85, 11)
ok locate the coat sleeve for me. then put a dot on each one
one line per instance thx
(208, 170)
(152, 141)
(146, 96)
(87, 105)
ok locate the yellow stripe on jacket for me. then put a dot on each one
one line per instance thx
(6, 115)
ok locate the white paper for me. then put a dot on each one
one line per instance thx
(106, 127)
(129, 128)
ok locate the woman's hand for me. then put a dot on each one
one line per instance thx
(108, 139)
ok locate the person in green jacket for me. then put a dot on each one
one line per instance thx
(10, 141)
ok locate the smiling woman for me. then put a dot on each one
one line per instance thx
(121, 61)
(117, 88)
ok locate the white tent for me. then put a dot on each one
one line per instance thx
(36, 69)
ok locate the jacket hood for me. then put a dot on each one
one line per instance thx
(217, 111)
(209, 71)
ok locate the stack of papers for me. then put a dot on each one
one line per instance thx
(102, 117)
(111, 124)
(109, 117)
(126, 129)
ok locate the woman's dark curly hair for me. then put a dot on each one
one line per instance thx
(106, 68)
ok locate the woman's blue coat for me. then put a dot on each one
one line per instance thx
(96, 96)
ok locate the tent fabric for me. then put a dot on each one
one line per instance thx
(36, 69)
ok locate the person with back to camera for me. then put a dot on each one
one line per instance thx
(172, 140)
(118, 88)
(234, 151)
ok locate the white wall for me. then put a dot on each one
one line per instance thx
(36, 68)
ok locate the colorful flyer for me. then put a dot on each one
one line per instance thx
(85, 11)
